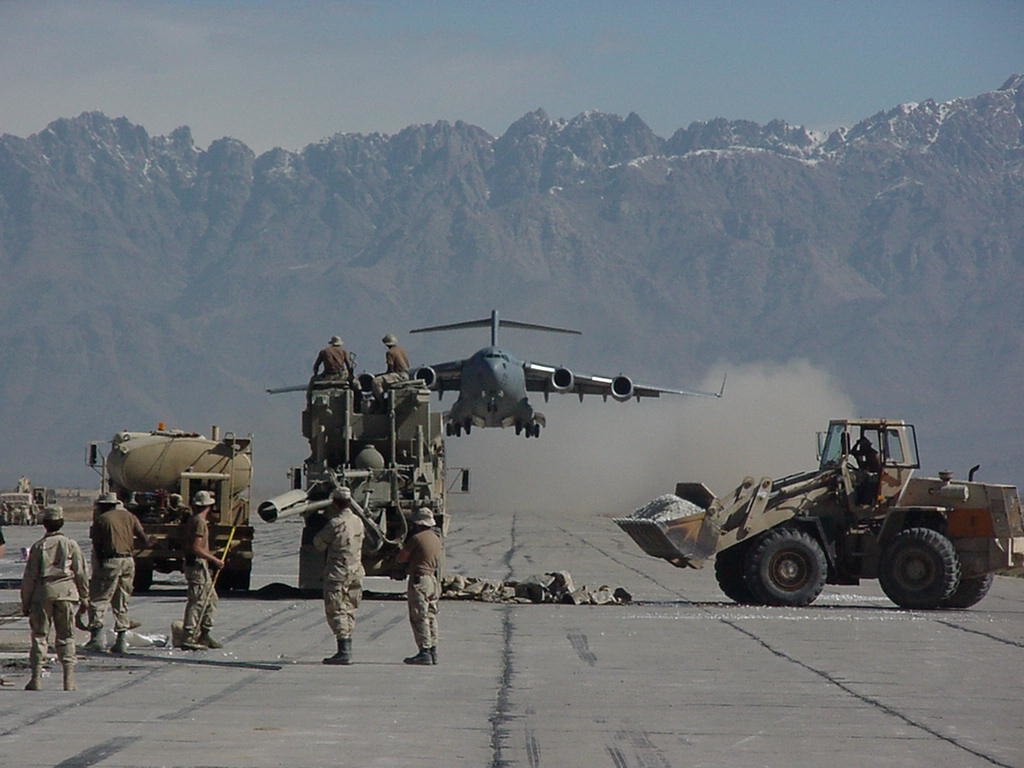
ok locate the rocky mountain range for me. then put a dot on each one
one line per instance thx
(145, 279)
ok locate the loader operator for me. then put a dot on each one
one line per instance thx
(113, 534)
(341, 539)
(397, 362)
(870, 465)
(421, 555)
(335, 360)
(201, 606)
(55, 579)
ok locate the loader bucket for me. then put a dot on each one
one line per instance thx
(680, 540)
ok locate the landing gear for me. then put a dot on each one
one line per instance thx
(531, 430)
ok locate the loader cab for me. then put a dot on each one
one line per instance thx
(876, 458)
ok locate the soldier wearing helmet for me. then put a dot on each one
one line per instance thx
(201, 606)
(397, 361)
(421, 558)
(335, 359)
(54, 581)
(341, 541)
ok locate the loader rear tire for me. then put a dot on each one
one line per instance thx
(729, 573)
(969, 592)
(920, 569)
(786, 567)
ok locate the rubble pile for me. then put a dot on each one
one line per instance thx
(554, 587)
(666, 507)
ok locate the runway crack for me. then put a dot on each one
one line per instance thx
(500, 717)
(882, 707)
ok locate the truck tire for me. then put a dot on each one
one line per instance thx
(919, 569)
(730, 576)
(143, 578)
(969, 592)
(786, 567)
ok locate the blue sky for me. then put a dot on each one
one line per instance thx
(288, 74)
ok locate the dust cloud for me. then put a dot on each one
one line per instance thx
(610, 457)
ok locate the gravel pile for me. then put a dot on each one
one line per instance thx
(667, 507)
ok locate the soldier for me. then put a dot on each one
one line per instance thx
(176, 511)
(55, 579)
(421, 556)
(113, 534)
(202, 595)
(335, 360)
(341, 539)
(397, 362)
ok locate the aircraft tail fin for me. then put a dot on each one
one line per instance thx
(494, 323)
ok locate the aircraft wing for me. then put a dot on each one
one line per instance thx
(541, 377)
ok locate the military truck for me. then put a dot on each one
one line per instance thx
(931, 542)
(389, 451)
(145, 468)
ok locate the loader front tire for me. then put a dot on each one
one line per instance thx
(919, 569)
(786, 567)
(729, 574)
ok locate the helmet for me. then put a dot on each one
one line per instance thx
(175, 499)
(108, 498)
(336, 341)
(203, 499)
(423, 516)
(53, 513)
(390, 339)
(341, 494)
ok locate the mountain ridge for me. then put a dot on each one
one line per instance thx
(893, 246)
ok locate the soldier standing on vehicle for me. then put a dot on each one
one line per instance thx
(113, 535)
(55, 579)
(397, 362)
(335, 360)
(421, 556)
(201, 607)
(341, 539)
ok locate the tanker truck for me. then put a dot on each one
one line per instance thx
(145, 468)
(389, 451)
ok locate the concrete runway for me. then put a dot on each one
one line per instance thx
(681, 677)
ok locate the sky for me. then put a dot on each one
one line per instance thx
(290, 74)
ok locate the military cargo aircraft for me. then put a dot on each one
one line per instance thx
(493, 384)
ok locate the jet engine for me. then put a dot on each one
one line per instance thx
(622, 387)
(562, 380)
(427, 375)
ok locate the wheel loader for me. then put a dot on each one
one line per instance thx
(932, 543)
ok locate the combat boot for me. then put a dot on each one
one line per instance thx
(209, 642)
(344, 654)
(36, 683)
(433, 654)
(120, 644)
(192, 643)
(69, 677)
(95, 642)
(423, 658)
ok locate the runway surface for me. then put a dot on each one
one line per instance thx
(680, 677)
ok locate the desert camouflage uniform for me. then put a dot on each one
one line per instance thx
(54, 581)
(422, 552)
(342, 540)
(202, 603)
(113, 574)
